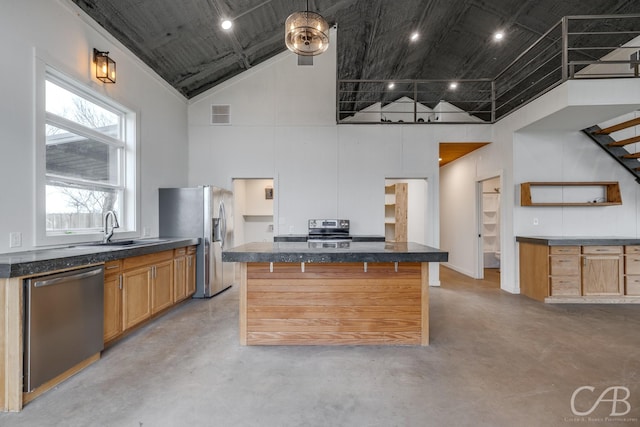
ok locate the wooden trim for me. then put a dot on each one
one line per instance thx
(624, 142)
(243, 303)
(534, 270)
(11, 343)
(28, 397)
(619, 126)
(424, 339)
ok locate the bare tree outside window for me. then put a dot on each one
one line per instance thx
(84, 171)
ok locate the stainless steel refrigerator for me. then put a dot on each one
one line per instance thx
(205, 212)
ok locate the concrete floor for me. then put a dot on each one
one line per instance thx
(495, 359)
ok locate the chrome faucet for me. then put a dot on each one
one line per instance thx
(114, 224)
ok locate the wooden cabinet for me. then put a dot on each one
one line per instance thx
(136, 296)
(632, 270)
(162, 286)
(184, 272)
(564, 270)
(191, 270)
(180, 274)
(147, 286)
(395, 212)
(112, 300)
(602, 270)
(137, 288)
(590, 273)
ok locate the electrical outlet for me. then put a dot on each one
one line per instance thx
(146, 231)
(291, 229)
(15, 239)
(535, 221)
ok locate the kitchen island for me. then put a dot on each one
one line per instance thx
(294, 293)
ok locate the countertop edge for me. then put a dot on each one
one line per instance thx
(64, 258)
(578, 240)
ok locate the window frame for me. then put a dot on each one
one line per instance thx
(127, 180)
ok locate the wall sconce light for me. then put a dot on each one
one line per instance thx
(105, 66)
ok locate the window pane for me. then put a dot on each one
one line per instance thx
(73, 209)
(76, 156)
(66, 104)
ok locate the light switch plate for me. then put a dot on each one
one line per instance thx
(15, 239)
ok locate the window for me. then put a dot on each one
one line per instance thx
(87, 161)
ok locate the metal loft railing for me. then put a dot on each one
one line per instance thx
(577, 47)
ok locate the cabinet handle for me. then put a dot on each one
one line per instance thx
(120, 280)
(189, 262)
(111, 267)
(153, 271)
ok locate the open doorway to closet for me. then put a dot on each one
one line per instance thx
(489, 215)
(253, 213)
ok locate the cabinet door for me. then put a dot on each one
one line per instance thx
(191, 274)
(602, 275)
(112, 306)
(136, 296)
(180, 278)
(162, 288)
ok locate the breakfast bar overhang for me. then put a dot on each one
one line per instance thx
(350, 294)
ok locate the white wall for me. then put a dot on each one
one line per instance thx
(59, 32)
(541, 142)
(283, 125)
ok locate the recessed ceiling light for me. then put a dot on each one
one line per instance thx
(226, 24)
(391, 85)
(415, 36)
(499, 35)
(453, 85)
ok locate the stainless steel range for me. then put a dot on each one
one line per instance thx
(328, 233)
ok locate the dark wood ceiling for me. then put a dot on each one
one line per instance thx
(184, 43)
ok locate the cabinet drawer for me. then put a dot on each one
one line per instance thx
(632, 264)
(632, 249)
(191, 250)
(564, 250)
(632, 285)
(565, 286)
(598, 250)
(180, 252)
(564, 265)
(149, 259)
(112, 266)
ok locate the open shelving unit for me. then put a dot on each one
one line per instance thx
(395, 212)
(607, 193)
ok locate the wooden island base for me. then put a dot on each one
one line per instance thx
(334, 303)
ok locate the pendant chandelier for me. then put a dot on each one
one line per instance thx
(306, 33)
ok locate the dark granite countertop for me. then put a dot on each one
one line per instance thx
(355, 252)
(38, 261)
(578, 240)
(303, 238)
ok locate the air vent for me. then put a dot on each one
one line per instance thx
(220, 114)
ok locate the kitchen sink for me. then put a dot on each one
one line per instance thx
(125, 243)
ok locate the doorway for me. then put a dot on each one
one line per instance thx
(489, 217)
(253, 214)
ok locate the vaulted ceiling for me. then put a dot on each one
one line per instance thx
(183, 42)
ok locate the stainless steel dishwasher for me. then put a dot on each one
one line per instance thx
(63, 323)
